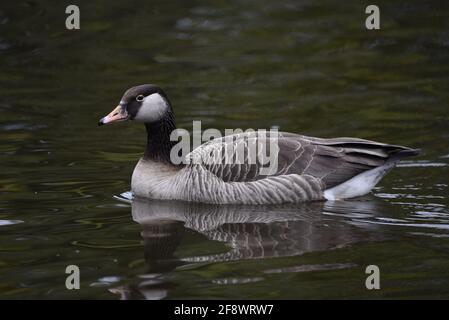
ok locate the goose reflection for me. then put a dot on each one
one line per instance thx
(249, 232)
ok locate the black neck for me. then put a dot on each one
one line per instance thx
(158, 142)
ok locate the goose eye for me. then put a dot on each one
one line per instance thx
(140, 98)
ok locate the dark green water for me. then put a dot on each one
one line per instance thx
(305, 66)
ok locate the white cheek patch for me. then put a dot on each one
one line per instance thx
(153, 108)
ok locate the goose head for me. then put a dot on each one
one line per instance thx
(144, 103)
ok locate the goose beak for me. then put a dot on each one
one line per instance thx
(118, 114)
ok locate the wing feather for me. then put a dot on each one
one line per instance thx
(331, 160)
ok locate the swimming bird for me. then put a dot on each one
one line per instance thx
(307, 168)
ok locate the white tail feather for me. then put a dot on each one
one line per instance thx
(359, 185)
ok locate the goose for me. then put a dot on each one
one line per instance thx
(307, 168)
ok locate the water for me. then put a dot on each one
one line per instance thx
(304, 66)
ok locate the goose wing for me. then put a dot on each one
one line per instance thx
(331, 160)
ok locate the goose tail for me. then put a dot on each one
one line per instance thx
(403, 153)
(364, 182)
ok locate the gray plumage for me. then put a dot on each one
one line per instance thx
(307, 167)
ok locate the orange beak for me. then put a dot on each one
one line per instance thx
(118, 114)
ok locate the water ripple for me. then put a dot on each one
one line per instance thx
(10, 222)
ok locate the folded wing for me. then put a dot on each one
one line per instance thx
(334, 161)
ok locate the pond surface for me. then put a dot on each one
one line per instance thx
(303, 66)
